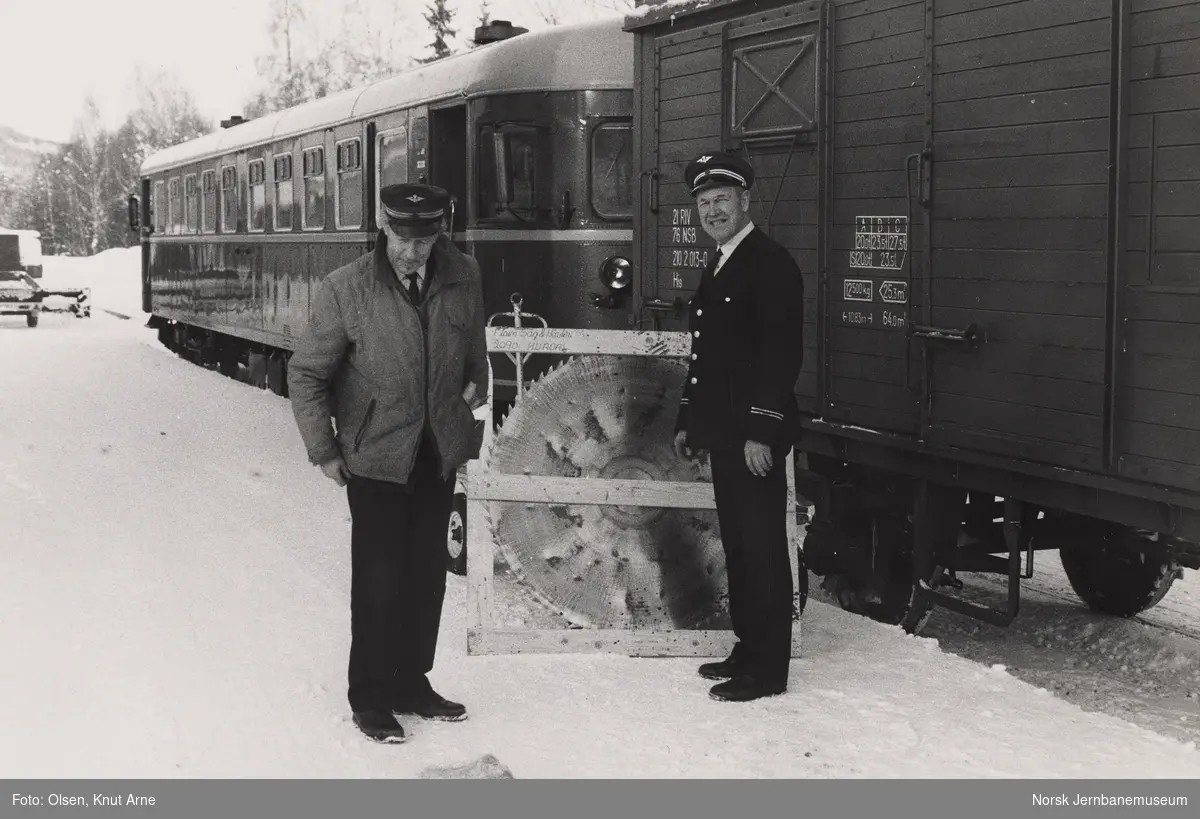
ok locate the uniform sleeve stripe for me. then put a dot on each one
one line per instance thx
(778, 416)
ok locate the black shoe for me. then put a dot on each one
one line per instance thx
(745, 688)
(379, 726)
(431, 705)
(722, 670)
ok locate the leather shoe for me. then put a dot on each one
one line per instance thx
(431, 705)
(722, 670)
(379, 726)
(744, 688)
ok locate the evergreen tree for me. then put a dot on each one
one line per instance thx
(439, 17)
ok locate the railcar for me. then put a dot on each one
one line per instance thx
(530, 132)
(995, 204)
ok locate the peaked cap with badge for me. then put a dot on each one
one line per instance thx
(718, 170)
(414, 211)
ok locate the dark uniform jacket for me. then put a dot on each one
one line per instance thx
(747, 347)
(387, 371)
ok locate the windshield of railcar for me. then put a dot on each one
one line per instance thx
(612, 170)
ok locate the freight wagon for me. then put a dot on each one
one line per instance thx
(996, 206)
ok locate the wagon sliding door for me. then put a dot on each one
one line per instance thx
(1021, 102)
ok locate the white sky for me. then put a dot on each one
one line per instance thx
(76, 47)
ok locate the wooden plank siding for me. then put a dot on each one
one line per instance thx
(1020, 204)
(1157, 408)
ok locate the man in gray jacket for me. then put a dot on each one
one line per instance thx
(383, 387)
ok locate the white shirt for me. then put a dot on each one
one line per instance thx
(420, 278)
(730, 246)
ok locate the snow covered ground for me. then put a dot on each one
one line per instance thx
(174, 596)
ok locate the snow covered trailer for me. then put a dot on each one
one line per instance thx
(996, 206)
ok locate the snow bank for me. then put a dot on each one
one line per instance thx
(114, 277)
(175, 594)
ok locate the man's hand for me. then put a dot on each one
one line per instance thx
(681, 447)
(758, 458)
(336, 471)
(473, 401)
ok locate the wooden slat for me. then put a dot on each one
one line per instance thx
(689, 107)
(1019, 265)
(1031, 15)
(1177, 22)
(877, 418)
(904, 73)
(1022, 140)
(1030, 422)
(568, 341)
(1163, 473)
(1143, 305)
(708, 82)
(1023, 234)
(1067, 105)
(1167, 269)
(1032, 450)
(1075, 71)
(1021, 47)
(903, 130)
(1005, 329)
(869, 26)
(686, 65)
(1166, 409)
(904, 102)
(885, 343)
(1021, 389)
(1162, 373)
(1165, 60)
(1031, 298)
(705, 127)
(1057, 363)
(1086, 168)
(1166, 94)
(868, 368)
(894, 397)
(880, 51)
(1170, 199)
(1161, 442)
(1179, 163)
(593, 491)
(1043, 202)
(1163, 339)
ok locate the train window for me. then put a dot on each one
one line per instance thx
(191, 204)
(257, 216)
(175, 206)
(392, 161)
(283, 192)
(508, 176)
(159, 207)
(229, 199)
(208, 210)
(612, 171)
(349, 184)
(314, 189)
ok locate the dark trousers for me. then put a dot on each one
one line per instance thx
(752, 512)
(398, 582)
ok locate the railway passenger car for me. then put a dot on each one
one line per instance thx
(996, 206)
(530, 132)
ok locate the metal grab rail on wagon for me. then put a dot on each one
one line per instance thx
(484, 486)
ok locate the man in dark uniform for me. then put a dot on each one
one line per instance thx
(746, 322)
(396, 353)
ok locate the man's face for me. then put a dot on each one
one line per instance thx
(723, 212)
(407, 255)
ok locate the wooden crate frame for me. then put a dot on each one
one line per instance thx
(483, 637)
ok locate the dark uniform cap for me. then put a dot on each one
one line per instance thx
(718, 170)
(413, 210)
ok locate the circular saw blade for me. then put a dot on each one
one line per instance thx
(609, 566)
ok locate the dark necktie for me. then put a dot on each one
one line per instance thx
(414, 289)
(716, 261)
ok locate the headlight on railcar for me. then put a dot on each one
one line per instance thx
(616, 272)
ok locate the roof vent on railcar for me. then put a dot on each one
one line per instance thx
(236, 119)
(496, 31)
